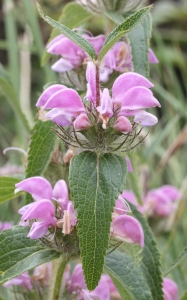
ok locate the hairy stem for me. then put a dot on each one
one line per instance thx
(58, 268)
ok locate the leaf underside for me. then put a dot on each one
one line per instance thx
(95, 183)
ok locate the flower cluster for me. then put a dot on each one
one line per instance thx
(117, 59)
(160, 202)
(119, 113)
(43, 209)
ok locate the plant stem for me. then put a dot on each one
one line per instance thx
(58, 268)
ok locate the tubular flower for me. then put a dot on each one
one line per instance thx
(43, 210)
(117, 59)
(117, 113)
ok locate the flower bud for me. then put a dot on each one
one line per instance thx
(123, 124)
(81, 122)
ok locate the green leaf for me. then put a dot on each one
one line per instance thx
(95, 183)
(151, 258)
(184, 297)
(19, 253)
(77, 39)
(40, 150)
(133, 182)
(7, 187)
(73, 16)
(177, 261)
(122, 29)
(7, 89)
(127, 277)
(139, 41)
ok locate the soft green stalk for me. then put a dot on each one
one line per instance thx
(58, 268)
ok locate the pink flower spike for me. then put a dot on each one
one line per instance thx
(43, 210)
(170, 289)
(123, 124)
(152, 57)
(38, 230)
(81, 122)
(91, 79)
(67, 99)
(60, 117)
(125, 82)
(37, 186)
(106, 108)
(50, 91)
(60, 194)
(62, 65)
(137, 98)
(127, 229)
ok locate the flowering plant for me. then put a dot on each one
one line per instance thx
(86, 125)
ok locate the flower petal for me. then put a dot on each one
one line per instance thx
(91, 79)
(96, 41)
(43, 210)
(60, 194)
(60, 117)
(67, 99)
(171, 289)
(62, 65)
(128, 229)
(137, 98)
(106, 108)
(37, 186)
(65, 47)
(125, 82)
(50, 91)
(38, 230)
(152, 57)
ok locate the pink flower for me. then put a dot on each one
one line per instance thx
(162, 202)
(43, 210)
(170, 289)
(21, 280)
(127, 229)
